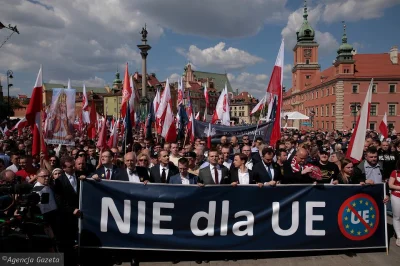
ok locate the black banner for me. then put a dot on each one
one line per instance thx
(123, 215)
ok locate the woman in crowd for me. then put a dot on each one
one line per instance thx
(56, 173)
(144, 160)
(394, 186)
(336, 158)
(346, 175)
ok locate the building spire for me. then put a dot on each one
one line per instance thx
(305, 14)
(344, 37)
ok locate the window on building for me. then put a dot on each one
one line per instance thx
(308, 76)
(372, 125)
(327, 110)
(392, 88)
(119, 99)
(115, 100)
(316, 95)
(333, 125)
(307, 61)
(355, 88)
(374, 88)
(115, 110)
(106, 100)
(333, 90)
(373, 111)
(316, 111)
(333, 110)
(390, 124)
(392, 109)
(317, 124)
(327, 91)
(327, 125)
(322, 124)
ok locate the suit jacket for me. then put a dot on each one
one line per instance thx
(155, 172)
(205, 176)
(290, 158)
(101, 172)
(142, 172)
(235, 176)
(176, 179)
(66, 197)
(261, 175)
(290, 177)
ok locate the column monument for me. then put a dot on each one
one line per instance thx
(144, 48)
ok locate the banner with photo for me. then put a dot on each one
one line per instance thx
(246, 218)
(60, 119)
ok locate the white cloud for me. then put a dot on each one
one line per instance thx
(255, 84)
(219, 57)
(91, 82)
(174, 77)
(14, 91)
(354, 10)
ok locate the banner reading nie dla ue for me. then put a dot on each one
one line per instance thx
(123, 215)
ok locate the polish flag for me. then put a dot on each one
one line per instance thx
(356, 144)
(85, 106)
(126, 92)
(383, 127)
(102, 141)
(209, 136)
(197, 116)
(33, 114)
(20, 125)
(169, 126)
(91, 129)
(132, 100)
(162, 108)
(259, 106)
(112, 141)
(221, 111)
(275, 89)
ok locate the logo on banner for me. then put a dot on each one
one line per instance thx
(358, 217)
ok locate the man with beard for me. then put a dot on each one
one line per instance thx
(388, 159)
(81, 168)
(329, 170)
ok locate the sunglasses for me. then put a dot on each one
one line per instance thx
(143, 160)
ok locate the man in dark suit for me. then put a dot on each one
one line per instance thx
(291, 148)
(162, 172)
(184, 177)
(296, 171)
(214, 173)
(107, 170)
(132, 173)
(240, 174)
(266, 172)
(93, 159)
(67, 195)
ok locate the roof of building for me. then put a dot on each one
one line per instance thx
(151, 79)
(243, 98)
(219, 79)
(51, 86)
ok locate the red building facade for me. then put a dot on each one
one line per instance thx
(333, 97)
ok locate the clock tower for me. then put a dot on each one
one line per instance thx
(306, 66)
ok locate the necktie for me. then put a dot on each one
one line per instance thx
(108, 174)
(216, 175)
(163, 176)
(269, 171)
(73, 182)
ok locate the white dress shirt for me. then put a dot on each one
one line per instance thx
(227, 164)
(51, 206)
(219, 173)
(185, 180)
(249, 164)
(134, 178)
(73, 181)
(244, 178)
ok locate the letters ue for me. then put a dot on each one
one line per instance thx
(239, 228)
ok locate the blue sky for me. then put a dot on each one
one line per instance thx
(86, 41)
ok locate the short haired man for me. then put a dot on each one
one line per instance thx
(214, 173)
(184, 177)
(226, 152)
(174, 156)
(107, 170)
(133, 173)
(246, 150)
(295, 170)
(267, 172)
(162, 172)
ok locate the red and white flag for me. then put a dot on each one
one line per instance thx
(132, 101)
(383, 127)
(197, 116)
(275, 89)
(162, 108)
(20, 125)
(126, 92)
(221, 111)
(85, 106)
(91, 129)
(356, 144)
(33, 116)
(169, 127)
(209, 136)
(102, 141)
(112, 141)
(259, 106)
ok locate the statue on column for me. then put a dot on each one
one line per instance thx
(144, 33)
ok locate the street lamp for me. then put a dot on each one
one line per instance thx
(355, 107)
(9, 76)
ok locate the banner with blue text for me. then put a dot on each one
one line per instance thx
(122, 215)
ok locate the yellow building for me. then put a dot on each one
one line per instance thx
(112, 104)
(241, 106)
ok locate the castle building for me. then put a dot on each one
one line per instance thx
(332, 98)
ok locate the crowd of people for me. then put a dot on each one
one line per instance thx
(300, 157)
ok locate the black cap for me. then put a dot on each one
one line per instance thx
(324, 150)
(190, 154)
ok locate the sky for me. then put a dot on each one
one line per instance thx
(87, 41)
